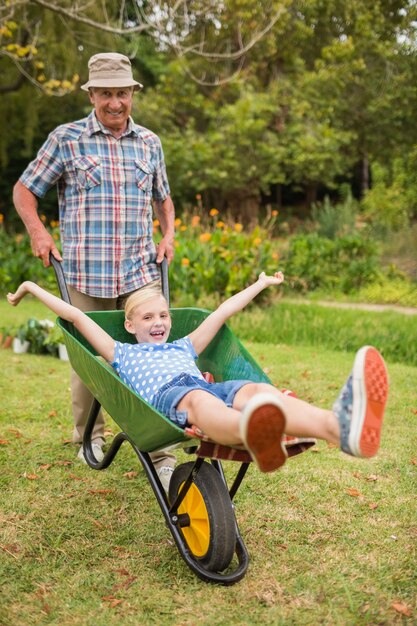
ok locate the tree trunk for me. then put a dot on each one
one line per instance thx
(365, 174)
(311, 194)
(244, 208)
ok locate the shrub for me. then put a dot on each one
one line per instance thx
(216, 256)
(336, 220)
(18, 264)
(386, 205)
(37, 332)
(344, 264)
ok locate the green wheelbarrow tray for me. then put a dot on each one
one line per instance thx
(225, 358)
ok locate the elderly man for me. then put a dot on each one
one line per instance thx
(110, 174)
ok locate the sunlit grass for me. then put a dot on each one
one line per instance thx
(331, 539)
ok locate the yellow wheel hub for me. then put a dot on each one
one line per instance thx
(197, 534)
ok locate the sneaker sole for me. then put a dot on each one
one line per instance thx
(370, 393)
(262, 428)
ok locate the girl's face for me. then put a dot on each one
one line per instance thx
(151, 321)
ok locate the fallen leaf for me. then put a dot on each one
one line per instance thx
(354, 493)
(414, 411)
(16, 432)
(357, 474)
(11, 549)
(372, 477)
(122, 571)
(115, 603)
(306, 374)
(413, 461)
(373, 505)
(46, 608)
(4, 442)
(125, 584)
(402, 608)
(45, 466)
(52, 413)
(100, 491)
(30, 476)
(74, 476)
(97, 523)
(130, 475)
(63, 462)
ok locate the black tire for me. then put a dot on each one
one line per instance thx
(211, 534)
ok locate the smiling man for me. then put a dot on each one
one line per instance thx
(111, 176)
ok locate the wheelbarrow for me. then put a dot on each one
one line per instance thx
(199, 511)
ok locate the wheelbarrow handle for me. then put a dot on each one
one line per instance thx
(60, 278)
(59, 273)
(164, 278)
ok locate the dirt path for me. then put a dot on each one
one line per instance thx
(364, 307)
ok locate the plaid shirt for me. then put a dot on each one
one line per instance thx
(105, 192)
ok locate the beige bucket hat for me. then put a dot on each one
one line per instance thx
(110, 69)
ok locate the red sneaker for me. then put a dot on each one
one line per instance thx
(262, 427)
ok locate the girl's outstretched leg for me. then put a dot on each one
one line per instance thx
(355, 423)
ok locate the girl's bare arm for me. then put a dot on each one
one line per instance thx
(99, 339)
(207, 330)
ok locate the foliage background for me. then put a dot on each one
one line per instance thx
(315, 121)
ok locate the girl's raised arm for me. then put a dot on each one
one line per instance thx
(207, 330)
(99, 339)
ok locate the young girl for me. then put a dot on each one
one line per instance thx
(233, 412)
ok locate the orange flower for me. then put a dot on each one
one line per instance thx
(177, 221)
(185, 262)
(156, 223)
(1, 218)
(183, 228)
(198, 196)
(274, 213)
(195, 220)
(275, 256)
(220, 224)
(257, 241)
(214, 212)
(205, 237)
(238, 227)
(43, 218)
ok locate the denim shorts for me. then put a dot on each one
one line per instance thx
(169, 396)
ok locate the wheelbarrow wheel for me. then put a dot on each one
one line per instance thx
(207, 517)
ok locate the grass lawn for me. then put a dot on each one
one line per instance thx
(332, 539)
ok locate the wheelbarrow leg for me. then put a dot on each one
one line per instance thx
(87, 443)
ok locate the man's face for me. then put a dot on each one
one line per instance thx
(112, 106)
